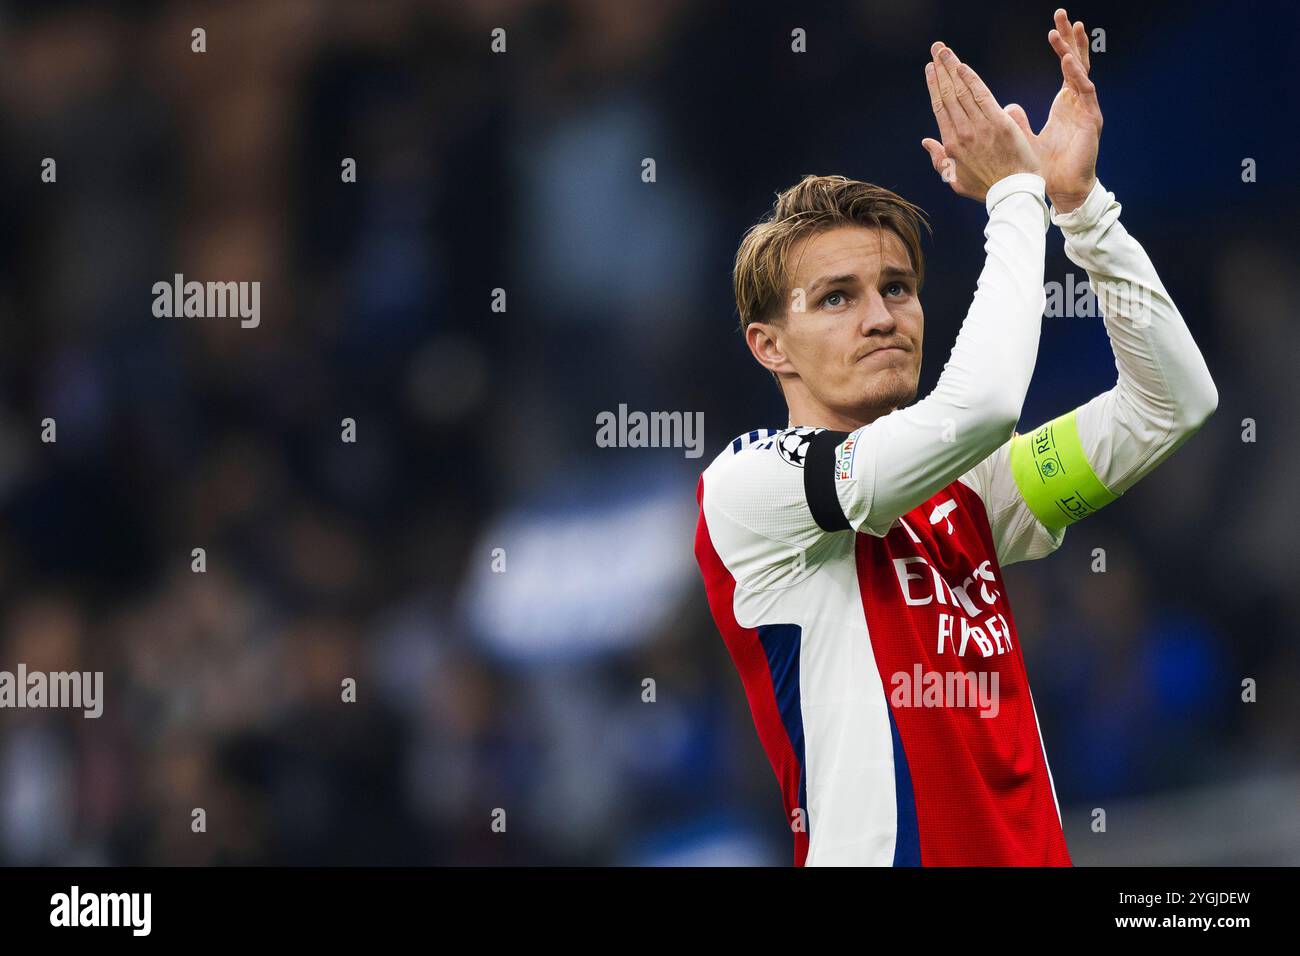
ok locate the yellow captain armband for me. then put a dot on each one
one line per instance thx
(1054, 476)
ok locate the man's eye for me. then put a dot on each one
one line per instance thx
(834, 299)
(900, 288)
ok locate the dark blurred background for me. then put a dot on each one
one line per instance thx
(521, 690)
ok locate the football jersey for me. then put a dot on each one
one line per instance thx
(882, 666)
(856, 578)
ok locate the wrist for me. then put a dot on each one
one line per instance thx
(1013, 183)
(1068, 202)
(1086, 214)
(1065, 203)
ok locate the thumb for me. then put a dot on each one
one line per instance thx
(937, 153)
(1015, 111)
(944, 166)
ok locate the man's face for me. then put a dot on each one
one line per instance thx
(856, 346)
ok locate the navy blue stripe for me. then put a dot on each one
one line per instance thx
(754, 436)
(907, 845)
(781, 643)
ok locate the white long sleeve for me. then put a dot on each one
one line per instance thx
(1164, 392)
(903, 458)
(1162, 395)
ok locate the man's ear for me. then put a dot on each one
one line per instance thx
(764, 345)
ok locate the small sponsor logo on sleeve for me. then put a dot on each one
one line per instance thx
(844, 459)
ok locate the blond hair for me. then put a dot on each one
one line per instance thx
(761, 276)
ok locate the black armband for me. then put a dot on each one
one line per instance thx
(819, 481)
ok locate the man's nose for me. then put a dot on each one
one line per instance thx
(876, 317)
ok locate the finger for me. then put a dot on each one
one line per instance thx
(1017, 113)
(1058, 43)
(1074, 36)
(936, 103)
(1079, 83)
(1063, 43)
(936, 152)
(952, 117)
(949, 62)
(980, 95)
(945, 166)
(1062, 21)
(948, 93)
(1069, 37)
(1081, 46)
(1064, 29)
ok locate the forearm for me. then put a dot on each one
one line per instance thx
(1164, 391)
(987, 375)
(908, 455)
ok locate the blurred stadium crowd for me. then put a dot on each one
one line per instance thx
(522, 689)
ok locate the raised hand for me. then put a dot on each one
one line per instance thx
(1067, 144)
(982, 143)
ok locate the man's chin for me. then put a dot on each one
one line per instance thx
(895, 391)
(884, 396)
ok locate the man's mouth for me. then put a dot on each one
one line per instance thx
(884, 353)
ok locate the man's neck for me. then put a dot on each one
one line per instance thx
(820, 417)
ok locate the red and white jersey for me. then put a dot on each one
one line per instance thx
(857, 577)
(839, 650)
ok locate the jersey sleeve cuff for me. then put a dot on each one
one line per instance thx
(1030, 183)
(1087, 214)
